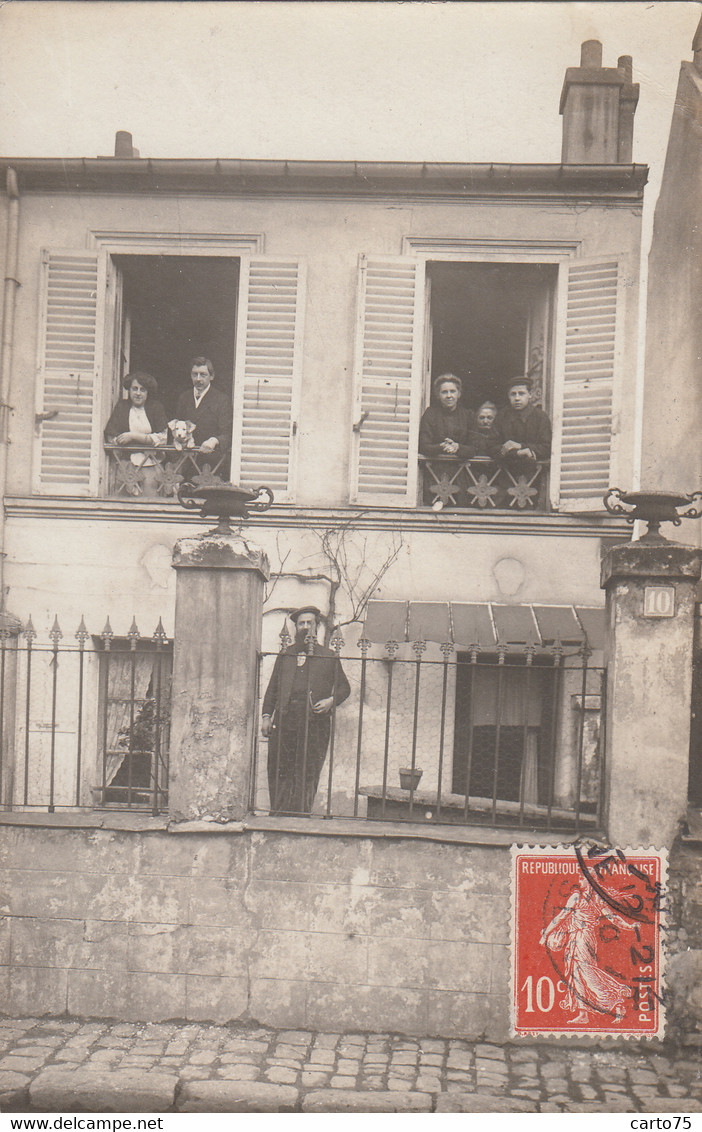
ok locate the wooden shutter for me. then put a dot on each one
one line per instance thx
(584, 418)
(267, 374)
(388, 378)
(70, 337)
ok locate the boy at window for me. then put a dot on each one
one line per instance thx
(523, 431)
(208, 409)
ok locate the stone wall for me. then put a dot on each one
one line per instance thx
(684, 943)
(337, 932)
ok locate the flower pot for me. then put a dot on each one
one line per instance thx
(409, 779)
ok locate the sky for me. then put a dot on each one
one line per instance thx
(323, 80)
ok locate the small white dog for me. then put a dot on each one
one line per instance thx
(182, 432)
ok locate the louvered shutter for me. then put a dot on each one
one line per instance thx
(583, 449)
(70, 337)
(267, 374)
(388, 380)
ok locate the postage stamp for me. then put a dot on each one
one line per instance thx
(587, 954)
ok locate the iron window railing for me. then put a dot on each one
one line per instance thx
(483, 484)
(162, 471)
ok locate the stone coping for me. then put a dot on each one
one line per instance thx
(308, 827)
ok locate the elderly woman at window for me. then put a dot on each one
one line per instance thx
(138, 419)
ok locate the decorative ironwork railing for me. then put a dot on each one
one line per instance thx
(430, 733)
(484, 484)
(162, 470)
(87, 723)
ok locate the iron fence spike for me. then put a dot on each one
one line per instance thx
(364, 645)
(55, 634)
(337, 641)
(82, 633)
(29, 631)
(160, 636)
(133, 635)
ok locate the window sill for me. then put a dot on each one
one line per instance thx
(306, 516)
(135, 822)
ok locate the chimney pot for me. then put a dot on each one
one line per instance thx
(591, 54)
(598, 105)
(625, 64)
(123, 144)
(697, 48)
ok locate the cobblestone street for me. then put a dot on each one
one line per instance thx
(56, 1065)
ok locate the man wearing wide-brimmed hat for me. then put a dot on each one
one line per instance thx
(306, 686)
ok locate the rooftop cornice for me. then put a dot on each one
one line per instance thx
(323, 178)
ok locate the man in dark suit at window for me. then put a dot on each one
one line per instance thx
(306, 685)
(208, 409)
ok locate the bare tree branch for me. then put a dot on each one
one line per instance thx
(348, 571)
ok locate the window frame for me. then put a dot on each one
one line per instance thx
(181, 245)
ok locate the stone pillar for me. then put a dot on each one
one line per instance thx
(219, 599)
(648, 652)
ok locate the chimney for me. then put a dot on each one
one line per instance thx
(123, 144)
(697, 48)
(598, 106)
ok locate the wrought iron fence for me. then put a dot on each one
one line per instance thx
(84, 723)
(435, 733)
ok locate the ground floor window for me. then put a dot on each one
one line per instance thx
(134, 723)
(504, 727)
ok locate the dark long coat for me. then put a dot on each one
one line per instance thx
(299, 738)
(212, 417)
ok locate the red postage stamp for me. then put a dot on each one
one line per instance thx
(587, 955)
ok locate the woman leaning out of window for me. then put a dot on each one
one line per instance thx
(140, 419)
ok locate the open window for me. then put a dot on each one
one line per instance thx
(173, 308)
(105, 313)
(556, 319)
(490, 322)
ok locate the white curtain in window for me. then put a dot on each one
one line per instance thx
(521, 696)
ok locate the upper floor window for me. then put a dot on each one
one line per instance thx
(487, 321)
(106, 313)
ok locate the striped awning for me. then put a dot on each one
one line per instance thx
(486, 624)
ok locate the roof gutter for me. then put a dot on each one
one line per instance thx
(106, 174)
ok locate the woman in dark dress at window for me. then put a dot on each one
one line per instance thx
(444, 431)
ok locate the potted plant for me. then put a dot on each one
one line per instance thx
(409, 779)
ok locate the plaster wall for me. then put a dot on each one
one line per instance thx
(77, 567)
(335, 933)
(673, 388)
(330, 234)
